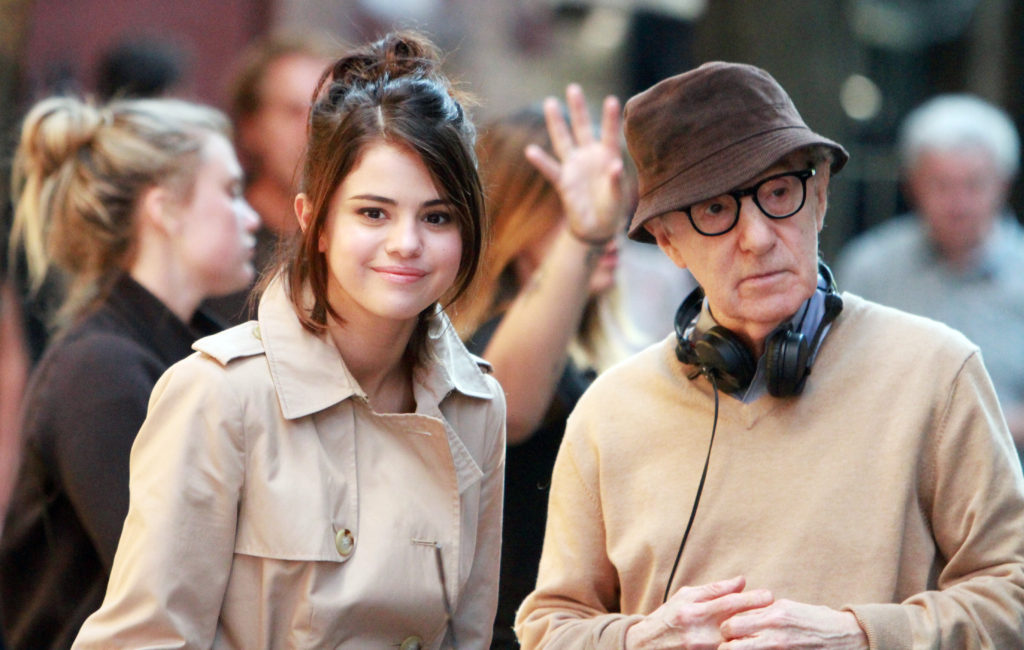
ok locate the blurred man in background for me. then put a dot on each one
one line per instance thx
(270, 98)
(958, 257)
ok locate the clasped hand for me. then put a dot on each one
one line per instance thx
(723, 616)
(587, 172)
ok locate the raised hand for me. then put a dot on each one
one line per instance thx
(588, 169)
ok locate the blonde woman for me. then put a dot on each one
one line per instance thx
(138, 206)
(544, 304)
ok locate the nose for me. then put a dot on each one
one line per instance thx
(756, 232)
(248, 217)
(404, 237)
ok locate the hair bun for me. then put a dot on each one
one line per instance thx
(399, 54)
(56, 129)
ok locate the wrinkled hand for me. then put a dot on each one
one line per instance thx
(693, 616)
(787, 624)
(588, 170)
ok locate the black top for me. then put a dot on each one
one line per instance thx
(84, 404)
(528, 468)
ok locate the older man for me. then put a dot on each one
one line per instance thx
(958, 257)
(711, 492)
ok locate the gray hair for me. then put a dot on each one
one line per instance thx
(953, 122)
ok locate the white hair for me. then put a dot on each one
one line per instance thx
(954, 122)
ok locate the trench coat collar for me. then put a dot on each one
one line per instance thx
(309, 374)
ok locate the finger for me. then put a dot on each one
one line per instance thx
(561, 140)
(711, 590)
(611, 122)
(747, 622)
(729, 605)
(582, 128)
(547, 165)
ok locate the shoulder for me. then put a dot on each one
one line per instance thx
(878, 248)
(94, 356)
(874, 338)
(649, 369)
(233, 343)
(226, 367)
(636, 394)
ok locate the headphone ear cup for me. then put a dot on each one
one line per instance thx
(720, 351)
(786, 354)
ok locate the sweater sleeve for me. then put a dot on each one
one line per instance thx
(575, 604)
(175, 553)
(973, 490)
(91, 437)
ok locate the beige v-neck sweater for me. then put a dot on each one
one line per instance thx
(890, 487)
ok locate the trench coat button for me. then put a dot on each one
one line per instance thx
(344, 542)
(412, 643)
(256, 332)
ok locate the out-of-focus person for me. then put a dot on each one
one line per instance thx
(958, 256)
(138, 206)
(270, 95)
(140, 68)
(544, 310)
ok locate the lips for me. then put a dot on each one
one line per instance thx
(400, 274)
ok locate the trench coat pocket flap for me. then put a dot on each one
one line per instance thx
(240, 341)
(291, 540)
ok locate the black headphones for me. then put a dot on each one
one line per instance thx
(788, 356)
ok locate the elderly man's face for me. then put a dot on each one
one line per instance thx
(760, 272)
(959, 195)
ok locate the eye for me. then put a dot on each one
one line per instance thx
(373, 214)
(438, 218)
(715, 208)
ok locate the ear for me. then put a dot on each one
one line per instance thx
(822, 179)
(662, 233)
(304, 214)
(160, 210)
(303, 210)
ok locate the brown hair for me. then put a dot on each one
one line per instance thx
(388, 91)
(245, 91)
(523, 207)
(79, 171)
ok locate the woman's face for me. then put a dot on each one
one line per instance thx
(216, 237)
(393, 247)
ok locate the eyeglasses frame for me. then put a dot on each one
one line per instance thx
(737, 195)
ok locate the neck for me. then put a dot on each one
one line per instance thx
(167, 282)
(375, 356)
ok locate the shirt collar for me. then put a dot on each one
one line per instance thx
(153, 323)
(310, 375)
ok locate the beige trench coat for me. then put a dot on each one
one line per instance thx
(272, 508)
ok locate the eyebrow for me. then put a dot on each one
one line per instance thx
(383, 199)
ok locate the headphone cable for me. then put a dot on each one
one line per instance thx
(700, 486)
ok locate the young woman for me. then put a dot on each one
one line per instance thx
(330, 476)
(544, 311)
(138, 205)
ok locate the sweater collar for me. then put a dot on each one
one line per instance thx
(149, 320)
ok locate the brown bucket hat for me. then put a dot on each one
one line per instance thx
(701, 133)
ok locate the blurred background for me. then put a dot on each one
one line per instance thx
(853, 67)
